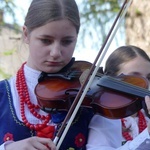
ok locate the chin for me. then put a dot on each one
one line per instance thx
(52, 70)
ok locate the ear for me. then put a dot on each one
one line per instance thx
(25, 35)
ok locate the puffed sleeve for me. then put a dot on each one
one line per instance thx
(106, 134)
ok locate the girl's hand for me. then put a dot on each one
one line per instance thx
(32, 143)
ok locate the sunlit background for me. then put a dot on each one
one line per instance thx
(86, 52)
(87, 47)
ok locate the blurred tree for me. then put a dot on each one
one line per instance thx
(97, 17)
(138, 25)
(8, 7)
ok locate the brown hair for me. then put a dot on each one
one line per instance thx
(121, 55)
(41, 12)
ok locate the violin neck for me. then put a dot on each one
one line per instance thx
(124, 87)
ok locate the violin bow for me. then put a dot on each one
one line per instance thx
(90, 77)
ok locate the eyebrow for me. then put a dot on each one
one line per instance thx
(138, 73)
(134, 73)
(148, 75)
(48, 36)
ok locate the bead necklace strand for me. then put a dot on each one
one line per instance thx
(25, 101)
(141, 124)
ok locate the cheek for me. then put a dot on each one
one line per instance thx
(35, 52)
(72, 49)
(69, 50)
(69, 53)
(35, 48)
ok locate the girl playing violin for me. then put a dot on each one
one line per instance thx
(50, 30)
(130, 60)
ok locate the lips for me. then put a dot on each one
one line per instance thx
(52, 63)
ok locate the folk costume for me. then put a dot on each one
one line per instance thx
(22, 118)
(134, 125)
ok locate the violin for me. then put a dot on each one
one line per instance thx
(110, 97)
(121, 96)
(55, 92)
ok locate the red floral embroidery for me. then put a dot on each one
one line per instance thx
(8, 137)
(80, 140)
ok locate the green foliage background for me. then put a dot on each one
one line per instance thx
(96, 15)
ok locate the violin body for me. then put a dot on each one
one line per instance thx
(57, 92)
(117, 100)
(110, 97)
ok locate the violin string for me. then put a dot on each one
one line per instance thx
(139, 90)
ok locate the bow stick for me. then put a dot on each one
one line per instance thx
(89, 78)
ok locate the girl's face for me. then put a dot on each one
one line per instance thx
(136, 66)
(51, 46)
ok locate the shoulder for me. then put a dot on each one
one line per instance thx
(4, 88)
(3, 84)
(99, 121)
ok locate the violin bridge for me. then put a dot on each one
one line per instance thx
(83, 76)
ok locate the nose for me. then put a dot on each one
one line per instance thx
(55, 50)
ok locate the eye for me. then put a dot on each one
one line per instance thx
(148, 77)
(46, 41)
(66, 42)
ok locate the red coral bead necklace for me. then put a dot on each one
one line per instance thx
(25, 100)
(141, 124)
